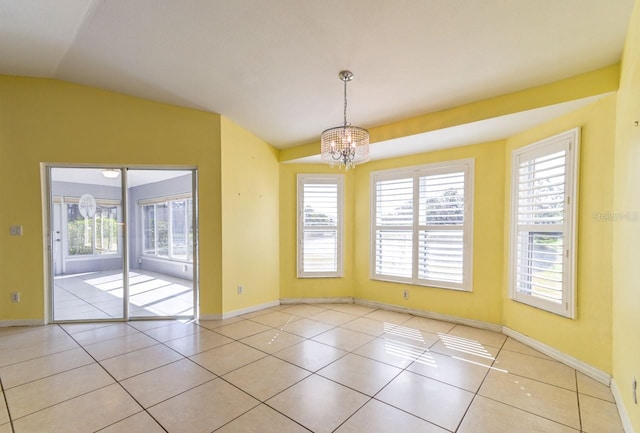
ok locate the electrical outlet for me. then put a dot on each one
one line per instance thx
(15, 297)
(634, 387)
(240, 289)
(15, 230)
(405, 294)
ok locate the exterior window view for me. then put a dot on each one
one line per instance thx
(319, 217)
(168, 229)
(95, 235)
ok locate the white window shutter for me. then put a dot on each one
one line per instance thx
(422, 225)
(320, 225)
(543, 223)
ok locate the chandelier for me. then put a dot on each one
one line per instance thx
(346, 145)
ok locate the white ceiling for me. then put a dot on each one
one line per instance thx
(483, 131)
(94, 176)
(271, 65)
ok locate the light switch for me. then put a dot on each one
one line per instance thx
(16, 230)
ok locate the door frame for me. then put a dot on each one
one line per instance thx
(50, 238)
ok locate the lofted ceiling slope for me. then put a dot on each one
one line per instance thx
(271, 65)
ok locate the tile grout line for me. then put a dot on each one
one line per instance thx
(60, 402)
(116, 381)
(531, 413)
(405, 369)
(260, 402)
(528, 378)
(475, 394)
(330, 363)
(66, 371)
(6, 405)
(312, 373)
(37, 357)
(402, 370)
(578, 399)
(373, 397)
(217, 376)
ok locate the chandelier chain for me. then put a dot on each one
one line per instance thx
(345, 102)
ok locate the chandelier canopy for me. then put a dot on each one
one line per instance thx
(346, 145)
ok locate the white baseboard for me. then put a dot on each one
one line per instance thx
(343, 300)
(572, 362)
(26, 322)
(217, 316)
(429, 315)
(283, 301)
(230, 314)
(624, 416)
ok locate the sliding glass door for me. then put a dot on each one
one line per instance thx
(88, 244)
(161, 231)
(122, 243)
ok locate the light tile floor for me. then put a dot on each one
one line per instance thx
(98, 295)
(290, 369)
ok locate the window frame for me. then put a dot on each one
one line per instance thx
(569, 141)
(467, 166)
(168, 201)
(333, 179)
(101, 205)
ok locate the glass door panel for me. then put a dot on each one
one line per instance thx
(86, 226)
(161, 239)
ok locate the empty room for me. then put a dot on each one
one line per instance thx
(278, 216)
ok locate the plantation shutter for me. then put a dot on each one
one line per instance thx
(394, 227)
(441, 231)
(422, 225)
(319, 221)
(543, 223)
(540, 238)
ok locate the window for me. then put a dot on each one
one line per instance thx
(96, 235)
(543, 223)
(320, 202)
(167, 228)
(422, 225)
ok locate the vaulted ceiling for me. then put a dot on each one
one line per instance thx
(271, 65)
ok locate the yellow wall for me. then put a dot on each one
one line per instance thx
(626, 245)
(484, 303)
(290, 285)
(51, 121)
(580, 86)
(250, 225)
(588, 337)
